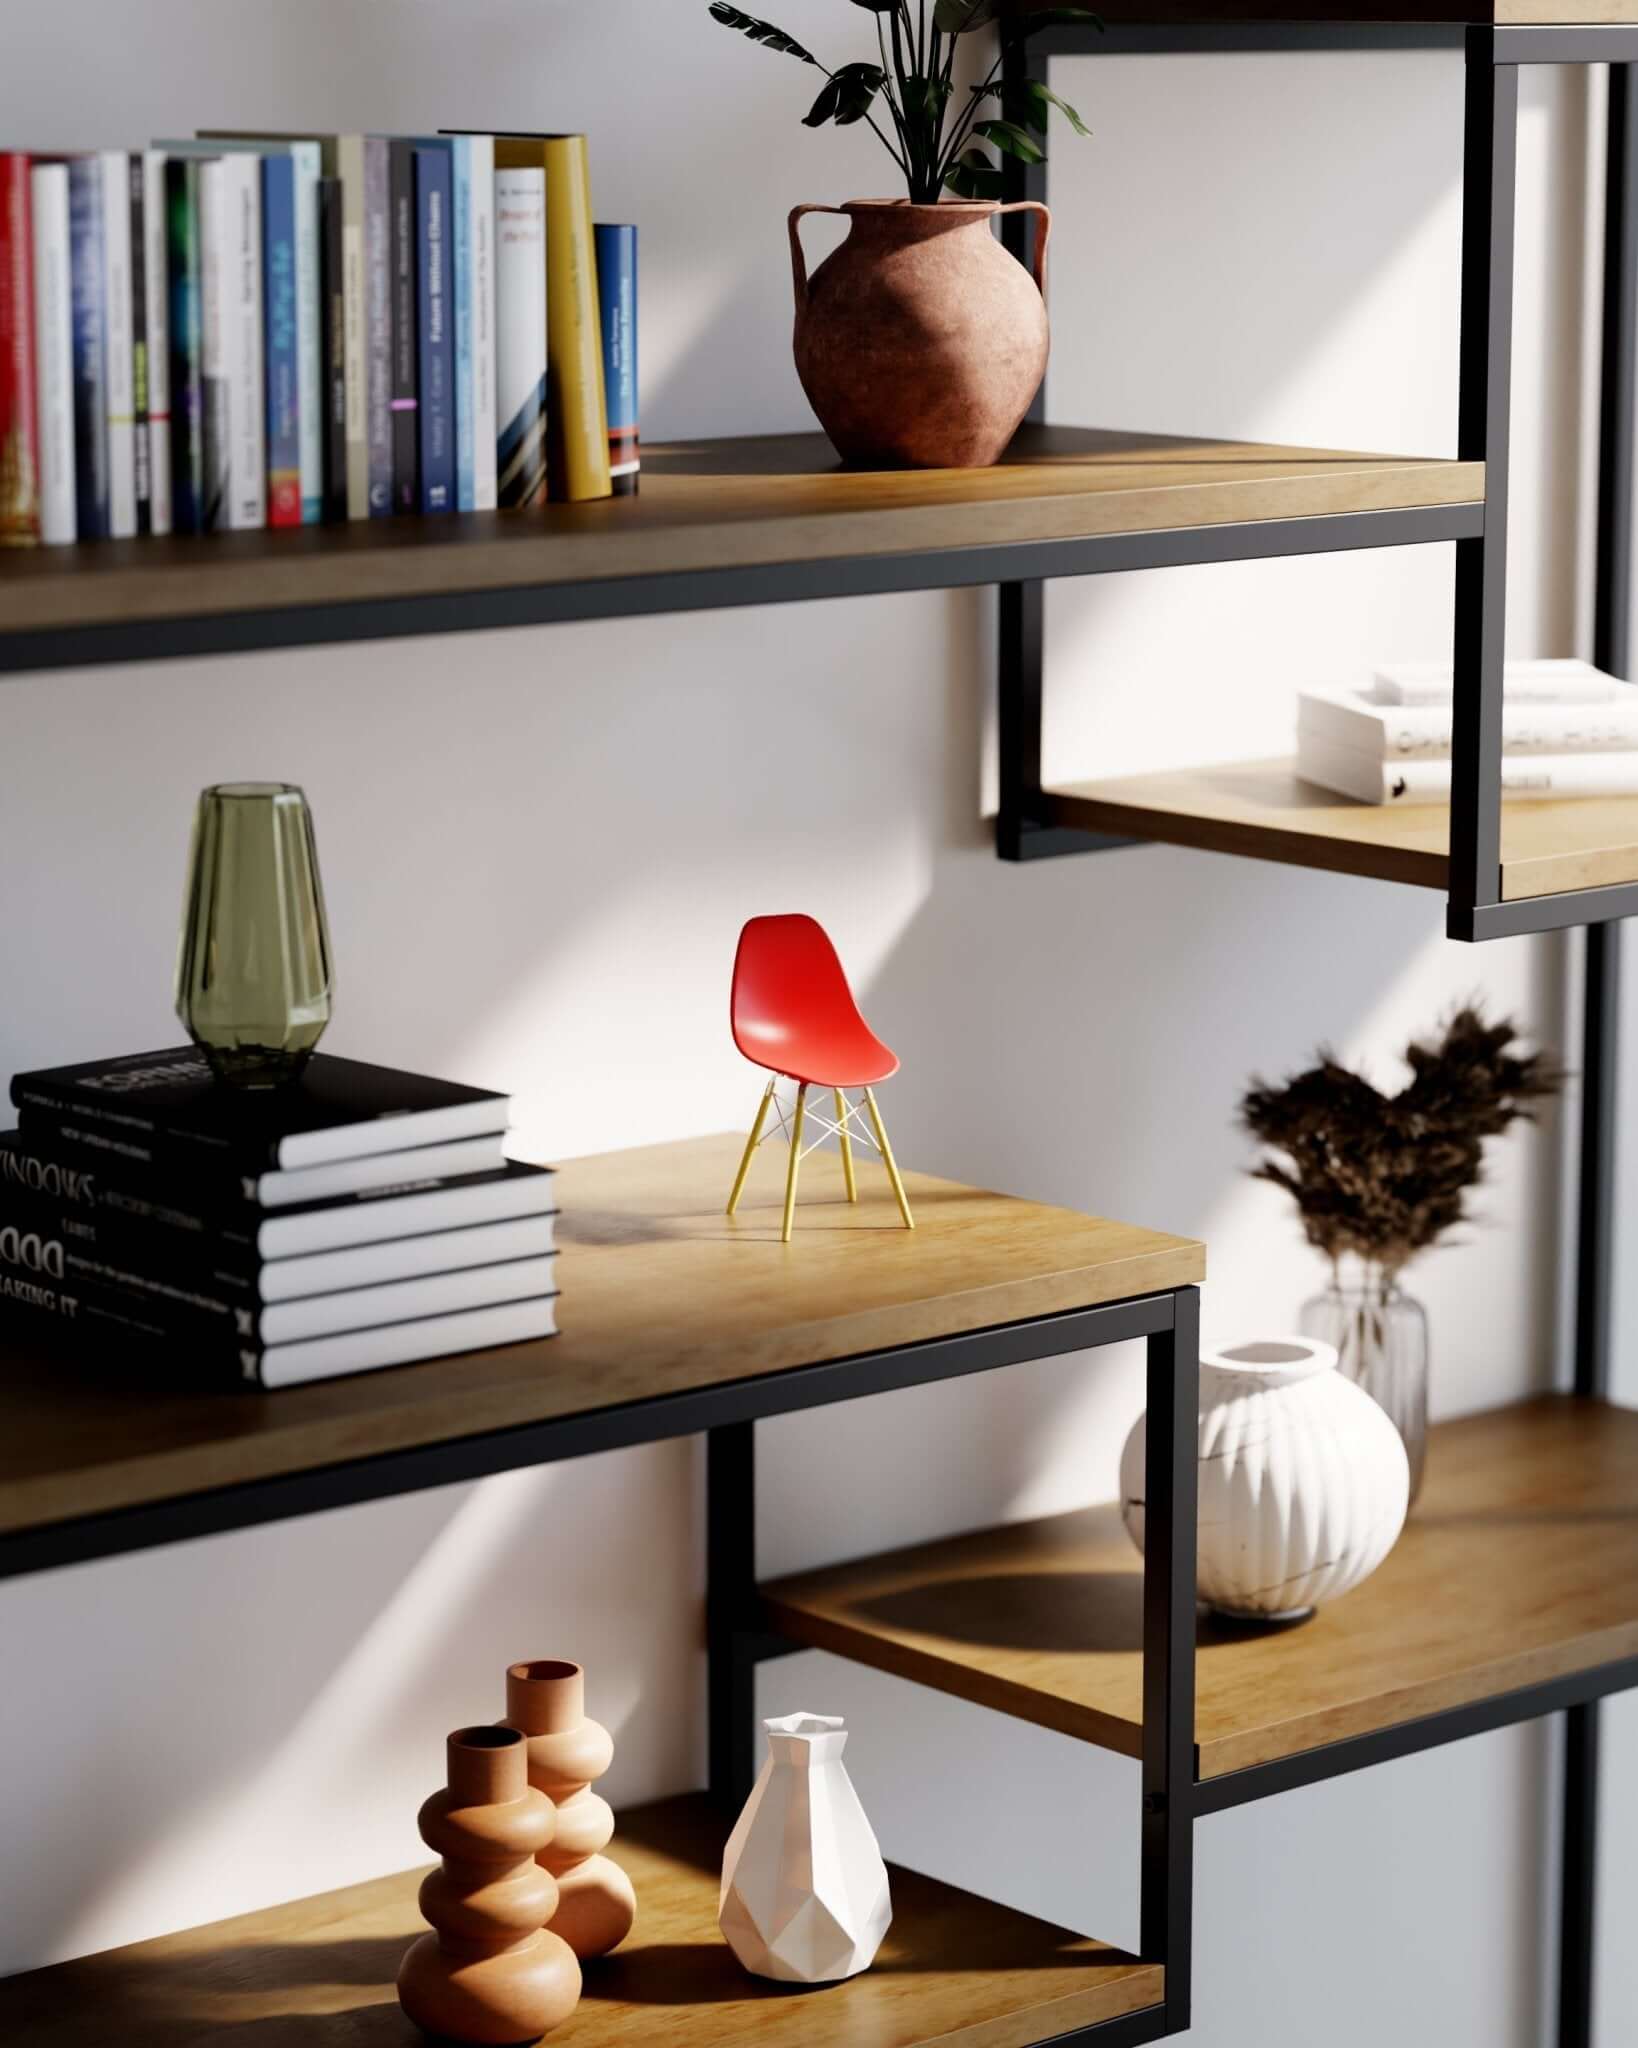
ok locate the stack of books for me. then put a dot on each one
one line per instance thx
(247, 331)
(1568, 730)
(357, 1218)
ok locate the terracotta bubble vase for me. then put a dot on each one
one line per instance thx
(489, 1973)
(921, 342)
(546, 1702)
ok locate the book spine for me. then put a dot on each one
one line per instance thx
(481, 311)
(520, 337)
(617, 301)
(157, 322)
(1524, 683)
(111, 1120)
(97, 1245)
(574, 348)
(54, 352)
(350, 164)
(1392, 733)
(437, 342)
(304, 168)
(213, 268)
(406, 315)
(79, 1311)
(333, 341)
(19, 415)
(282, 367)
(185, 291)
(243, 336)
(118, 341)
(89, 1198)
(90, 349)
(460, 156)
(378, 341)
(141, 376)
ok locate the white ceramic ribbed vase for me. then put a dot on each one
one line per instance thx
(1304, 1482)
(804, 1890)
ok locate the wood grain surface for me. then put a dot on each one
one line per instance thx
(724, 504)
(1520, 1563)
(1265, 811)
(319, 1973)
(661, 1292)
(1228, 13)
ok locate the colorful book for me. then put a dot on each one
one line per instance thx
(19, 415)
(281, 353)
(305, 162)
(617, 300)
(214, 264)
(141, 446)
(521, 385)
(130, 1216)
(475, 316)
(436, 342)
(333, 346)
(185, 295)
(378, 339)
(157, 352)
(53, 351)
(406, 320)
(118, 341)
(88, 284)
(577, 410)
(350, 170)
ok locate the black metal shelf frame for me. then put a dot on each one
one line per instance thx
(1026, 829)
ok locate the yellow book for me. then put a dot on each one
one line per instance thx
(577, 408)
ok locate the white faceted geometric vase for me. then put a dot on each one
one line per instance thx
(804, 1889)
(1304, 1482)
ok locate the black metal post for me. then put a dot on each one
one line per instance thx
(1481, 565)
(730, 1599)
(1169, 1538)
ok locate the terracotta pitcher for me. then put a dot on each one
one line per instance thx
(921, 342)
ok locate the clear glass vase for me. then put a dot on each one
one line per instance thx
(1381, 1336)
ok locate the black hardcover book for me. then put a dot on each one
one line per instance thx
(142, 454)
(185, 287)
(333, 342)
(129, 1217)
(406, 438)
(202, 1349)
(335, 1110)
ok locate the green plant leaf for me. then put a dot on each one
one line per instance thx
(847, 96)
(1029, 101)
(974, 177)
(760, 31)
(1014, 140)
(924, 98)
(956, 17)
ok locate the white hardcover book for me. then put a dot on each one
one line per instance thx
(115, 166)
(408, 1258)
(1422, 732)
(156, 298)
(1543, 776)
(520, 336)
(405, 1210)
(1523, 682)
(53, 351)
(481, 241)
(243, 343)
(323, 1358)
(404, 1301)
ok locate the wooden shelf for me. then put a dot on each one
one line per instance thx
(717, 510)
(319, 1974)
(1249, 13)
(1520, 1564)
(662, 1294)
(1265, 811)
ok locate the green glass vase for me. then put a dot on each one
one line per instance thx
(253, 978)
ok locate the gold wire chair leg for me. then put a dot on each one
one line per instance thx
(796, 1161)
(888, 1160)
(847, 1146)
(750, 1146)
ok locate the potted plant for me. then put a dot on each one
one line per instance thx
(1379, 1178)
(920, 341)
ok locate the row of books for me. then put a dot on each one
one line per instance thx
(1567, 730)
(246, 331)
(357, 1218)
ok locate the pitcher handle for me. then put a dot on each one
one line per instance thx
(1042, 234)
(799, 267)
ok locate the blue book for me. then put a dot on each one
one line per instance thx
(617, 306)
(90, 333)
(436, 267)
(283, 360)
(465, 439)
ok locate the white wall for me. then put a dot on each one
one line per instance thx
(539, 847)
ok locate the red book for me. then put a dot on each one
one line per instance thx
(19, 434)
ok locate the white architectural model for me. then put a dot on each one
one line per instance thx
(804, 1889)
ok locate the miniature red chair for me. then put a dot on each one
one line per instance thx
(793, 1013)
